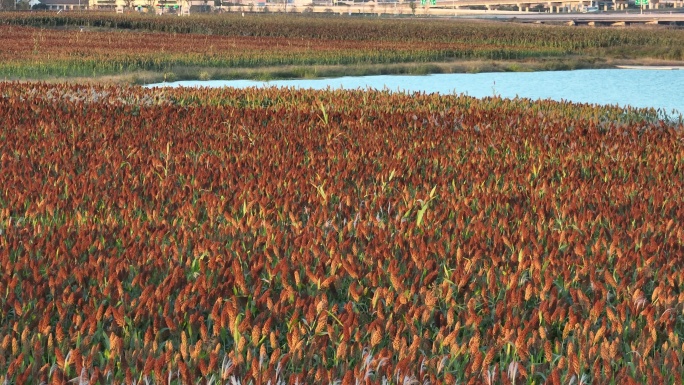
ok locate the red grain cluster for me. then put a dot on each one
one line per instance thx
(316, 236)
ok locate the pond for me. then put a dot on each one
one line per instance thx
(660, 89)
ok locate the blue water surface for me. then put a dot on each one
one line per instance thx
(660, 89)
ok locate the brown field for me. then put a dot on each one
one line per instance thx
(209, 236)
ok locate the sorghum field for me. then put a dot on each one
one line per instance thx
(286, 236)
(47, 45)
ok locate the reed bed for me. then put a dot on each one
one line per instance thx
(38, 45)
(30, 53)
(185, 236)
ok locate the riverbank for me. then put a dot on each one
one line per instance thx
(141, 49)
(323, 71)
(314, 72)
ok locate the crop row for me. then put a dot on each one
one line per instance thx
(37, 45)
(360, 29)
(191, 235)
(31, 52)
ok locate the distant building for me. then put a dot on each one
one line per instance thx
(180, 7)
(185, 7)
(66, 5)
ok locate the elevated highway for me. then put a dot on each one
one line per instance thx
(539, 11)
(596, 19)
(521, 9)
(550, 6)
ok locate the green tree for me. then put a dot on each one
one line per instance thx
(7, 5)
(413, 6)
(150, 6)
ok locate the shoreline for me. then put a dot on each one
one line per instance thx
(330, 71)
(650, 68)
